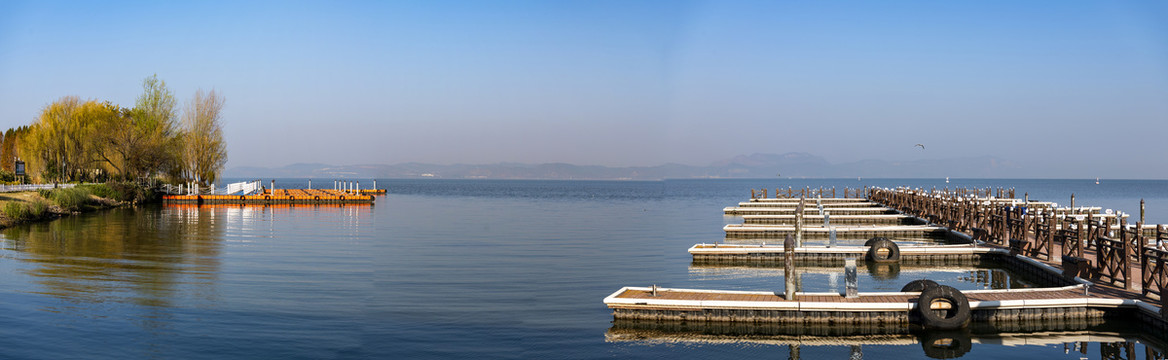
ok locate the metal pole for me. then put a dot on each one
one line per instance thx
(851, 282)
(789, 269)
(799, 223)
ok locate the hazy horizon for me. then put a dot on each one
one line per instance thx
(1080, 88)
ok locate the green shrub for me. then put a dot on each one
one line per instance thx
(37, 209)
(26, 211)
(71, 199)
(131, 192)
(102, 190)
(15, 210)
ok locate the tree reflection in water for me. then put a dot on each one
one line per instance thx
(142, 255)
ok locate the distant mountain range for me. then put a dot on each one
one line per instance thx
(795, 165)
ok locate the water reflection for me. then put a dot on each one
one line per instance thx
(1109, 340)
(142, 256)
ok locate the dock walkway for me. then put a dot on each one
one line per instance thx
(1072, 298)
(279, 196)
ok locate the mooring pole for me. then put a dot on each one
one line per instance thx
(851, 282)
(1141, 214)
(309, 184)
(789, 269)
(799, 223)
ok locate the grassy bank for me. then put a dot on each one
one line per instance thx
(48, 204)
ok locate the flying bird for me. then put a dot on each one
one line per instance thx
(921, 145)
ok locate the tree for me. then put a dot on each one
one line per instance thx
(142, 142)
(65, 144)
(203, 151)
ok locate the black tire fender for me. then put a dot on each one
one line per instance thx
(873, 240)
(956, 317)
(919, 285)
(892, 254)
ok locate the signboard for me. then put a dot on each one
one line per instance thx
(19, 168)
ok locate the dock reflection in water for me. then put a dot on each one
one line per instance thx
(1085, 338)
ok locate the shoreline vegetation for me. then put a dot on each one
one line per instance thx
(32, 206)
(116, 155)
(94, 141)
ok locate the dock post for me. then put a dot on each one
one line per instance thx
(789, 269)
(799, 223)
(374, 184)
(309, 184)
(357, 186)
(851, 282)
(1072, 203)
(831, 237)
(793, 350)
(273, 187)
(1141, 214)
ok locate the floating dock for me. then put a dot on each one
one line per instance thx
(743, 231)
(1106, 269)
(279, 196)
(1068, 303)
(776, 210)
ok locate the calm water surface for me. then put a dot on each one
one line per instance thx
(453, 269)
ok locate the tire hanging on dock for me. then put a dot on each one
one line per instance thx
(919, 285)
(890, 253)
(955, 317)
(873, 240)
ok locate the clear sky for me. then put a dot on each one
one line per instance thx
(1080, 84)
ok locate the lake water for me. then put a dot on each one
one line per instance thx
(452, 269)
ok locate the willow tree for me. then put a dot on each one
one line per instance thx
(203, 151)
(47, 144)
(63, 143)
(143, 142)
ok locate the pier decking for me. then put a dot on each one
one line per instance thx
(1069, 302)
(994, 228)
(279, 196)
(741, 231)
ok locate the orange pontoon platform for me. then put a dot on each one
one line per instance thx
(279, 196)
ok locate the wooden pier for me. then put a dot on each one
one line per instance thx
(1099, 265)
(1068, 302)
(739, 231)
(279, 196)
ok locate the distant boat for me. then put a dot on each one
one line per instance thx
(1096, 181)
(946, 179)
(858, 178)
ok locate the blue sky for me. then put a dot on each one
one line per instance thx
(1080, 87)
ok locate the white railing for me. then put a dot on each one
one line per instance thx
(31, 187)
(246, 187)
